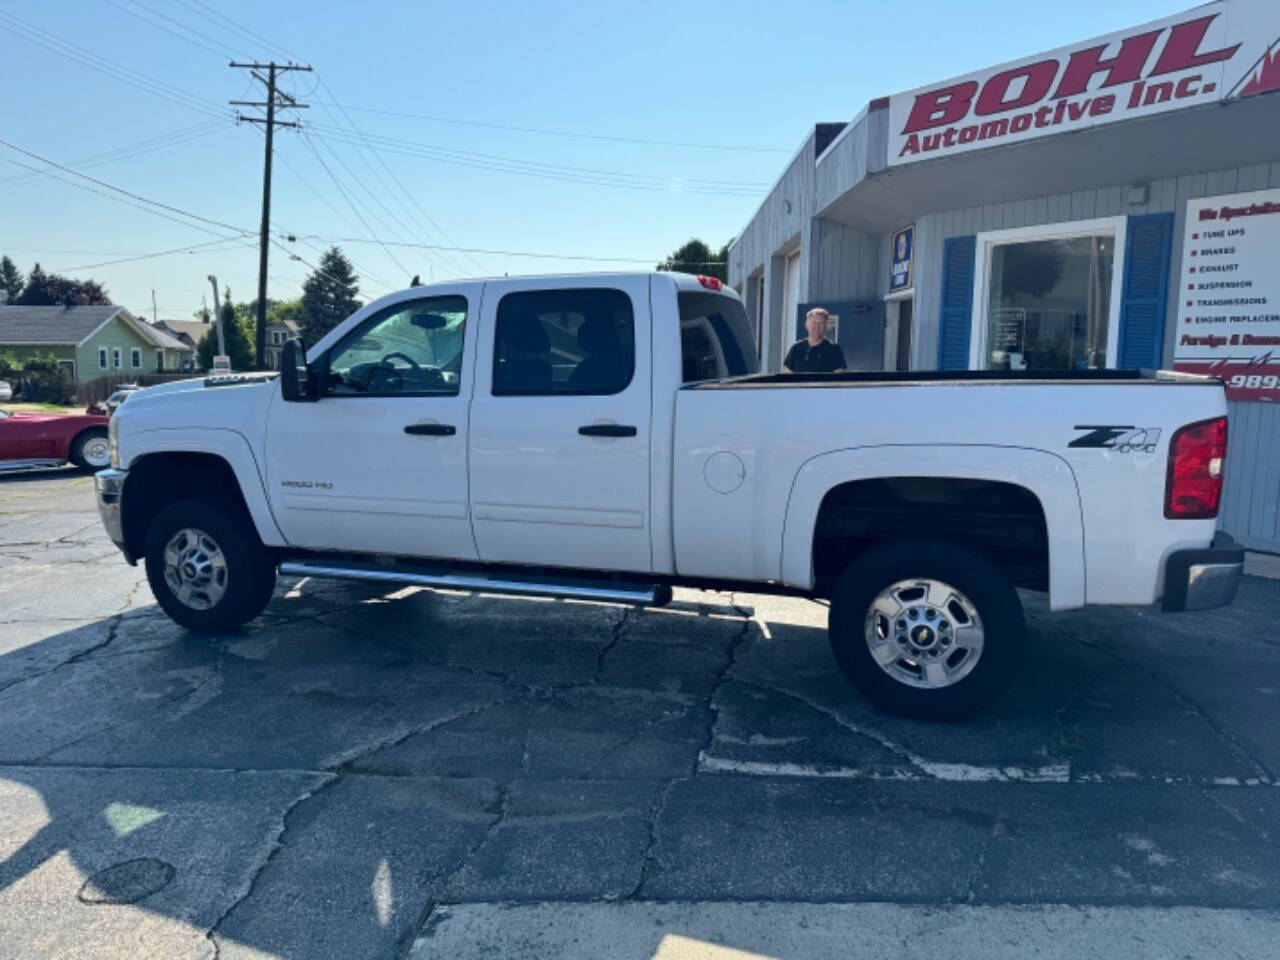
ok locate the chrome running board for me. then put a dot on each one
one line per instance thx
(6, 466)
(606, 591)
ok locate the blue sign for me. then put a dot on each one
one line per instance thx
(904, 242)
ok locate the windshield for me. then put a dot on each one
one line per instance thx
(715, 338)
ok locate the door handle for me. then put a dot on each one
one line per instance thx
(607, 430)
(431, 429)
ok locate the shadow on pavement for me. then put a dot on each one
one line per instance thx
(311, 785)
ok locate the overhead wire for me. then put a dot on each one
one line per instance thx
(737, 148)
(86, 58)
(409, 195)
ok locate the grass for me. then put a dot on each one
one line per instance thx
(37, 408)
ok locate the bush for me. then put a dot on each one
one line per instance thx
(38, 379)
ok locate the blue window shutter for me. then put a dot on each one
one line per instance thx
(1146, 280)
(956, 319)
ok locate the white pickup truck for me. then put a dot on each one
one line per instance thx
(608, 437)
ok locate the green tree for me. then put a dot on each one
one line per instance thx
(328, 295)
(11, 279)
(696, 257)
(50, 289)
(238, 335)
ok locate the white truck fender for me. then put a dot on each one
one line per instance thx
(231, 446)
(1046, 475)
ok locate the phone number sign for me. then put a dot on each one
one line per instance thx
(1229, 294)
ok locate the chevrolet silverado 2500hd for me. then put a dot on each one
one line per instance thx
(608, 437)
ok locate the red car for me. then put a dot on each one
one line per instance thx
(52, 439)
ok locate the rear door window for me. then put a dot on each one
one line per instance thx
(573, 342)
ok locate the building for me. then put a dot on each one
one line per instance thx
(1112, 203)
(189, 332)
(90, 341)
(277, 334)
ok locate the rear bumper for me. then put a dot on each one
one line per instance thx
(1203, 579)
(109, 486)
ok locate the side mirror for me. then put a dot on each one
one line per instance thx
(295, 379)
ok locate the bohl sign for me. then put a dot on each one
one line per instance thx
(1222, 50)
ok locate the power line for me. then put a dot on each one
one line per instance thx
(85, 58)
(225, 52)
(346, 196)
(412, 199)
(151, 256)
(566, 133)
(562, 172)
(516, 253)
(120, 190)
(226, 23)
(162, 141)
(400, 229)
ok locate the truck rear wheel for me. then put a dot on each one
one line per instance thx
(206, 566)
(926, 629)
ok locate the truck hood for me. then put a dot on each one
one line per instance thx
(197, 384)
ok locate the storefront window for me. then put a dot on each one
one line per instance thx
(1049, 303)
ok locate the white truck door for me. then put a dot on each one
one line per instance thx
(379, 463)
(560, 424)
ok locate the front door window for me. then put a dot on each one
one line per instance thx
(1049, 303)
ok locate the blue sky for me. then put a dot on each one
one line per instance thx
(742, 74)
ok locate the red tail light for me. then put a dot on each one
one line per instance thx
(711, 283)
(1194, 484)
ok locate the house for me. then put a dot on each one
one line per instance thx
(277, 334)
(190, 332)
(91, 341)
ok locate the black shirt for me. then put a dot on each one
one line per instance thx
(826, 357)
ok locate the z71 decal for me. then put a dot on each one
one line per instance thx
(1121, 439)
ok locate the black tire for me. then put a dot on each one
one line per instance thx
(971, 573)
(248, 570)
(97, 436)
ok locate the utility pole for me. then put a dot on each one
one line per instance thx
(217, 317)
(276, 100)
(155, 317)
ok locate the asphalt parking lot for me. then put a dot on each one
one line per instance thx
(362, 773)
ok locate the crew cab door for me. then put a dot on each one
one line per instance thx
(560, 424)
(379, 463)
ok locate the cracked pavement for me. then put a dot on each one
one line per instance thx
(359, 771)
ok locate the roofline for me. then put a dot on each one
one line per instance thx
(94, 332)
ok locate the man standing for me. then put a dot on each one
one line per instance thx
(815, 354)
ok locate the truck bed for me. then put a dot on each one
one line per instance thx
(910, 377)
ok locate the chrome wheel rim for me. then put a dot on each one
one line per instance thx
(195, 569)
(97, 452)
(924, 633)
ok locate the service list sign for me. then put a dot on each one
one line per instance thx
(1229, 296)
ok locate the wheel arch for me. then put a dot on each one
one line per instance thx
(1044, 477)
(170, 465)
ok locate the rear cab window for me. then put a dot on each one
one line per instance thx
(715, 337)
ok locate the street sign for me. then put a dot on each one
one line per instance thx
(221, 364)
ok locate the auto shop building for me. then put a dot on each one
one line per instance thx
(1112, 203)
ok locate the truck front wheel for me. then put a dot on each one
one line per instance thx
(926, 629)
(206, 566)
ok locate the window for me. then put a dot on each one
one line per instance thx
(102, 358)
(1049, 297)
(564, 342)
(409, 348)
(116, 362)
(715, 337)
(69, 366)
(159, 360)
(135, 358)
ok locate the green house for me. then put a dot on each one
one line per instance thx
(92, 341)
